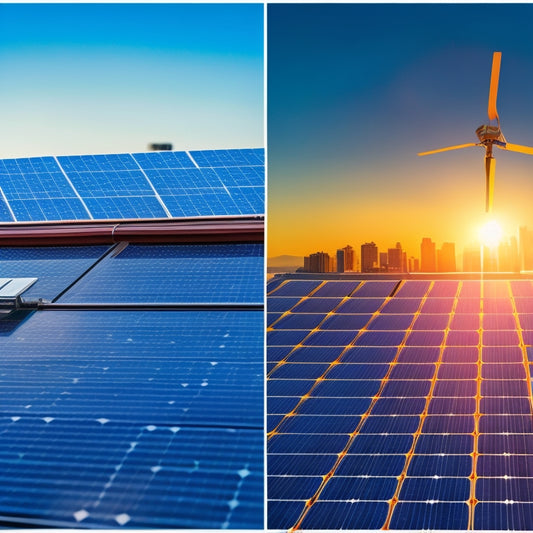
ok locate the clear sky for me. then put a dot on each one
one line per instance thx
(356, 90)
(103, 78)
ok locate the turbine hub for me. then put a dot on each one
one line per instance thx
(488, 134)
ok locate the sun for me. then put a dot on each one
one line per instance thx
(490, 234)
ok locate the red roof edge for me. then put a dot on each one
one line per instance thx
(227, 229)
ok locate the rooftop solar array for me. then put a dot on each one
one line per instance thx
(144, 416)
(400, 404)
(133, 186)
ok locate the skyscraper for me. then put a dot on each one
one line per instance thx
(348, 258)
(369, 257)
(471, 260)
(526, 248)
(446, 258)
(340, 260)
(428, 262)
(319, 262)
(396, 259)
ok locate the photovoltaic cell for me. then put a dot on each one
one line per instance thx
(375, 289)
(295, 288)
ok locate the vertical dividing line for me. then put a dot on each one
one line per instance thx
(409, 455)
(156, 193)
(8, 206)
(321, 378)
(78, 196)
(472, 501)
(311, 501)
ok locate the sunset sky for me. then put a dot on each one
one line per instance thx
(356, 90)
(108, 78)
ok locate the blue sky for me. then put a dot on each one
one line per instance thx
(103, 78)
(356, 90)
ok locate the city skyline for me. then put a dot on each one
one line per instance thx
(509, 254)
(356, 91)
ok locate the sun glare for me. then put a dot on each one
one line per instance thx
(490, 234)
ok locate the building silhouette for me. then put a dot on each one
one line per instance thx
(320, 262)
(340, 260)
(446, 258)
(526, 248)
(369, 257)
(396, 259)
(472, 259)
(428, 256)
(345, 259)
(508, 256)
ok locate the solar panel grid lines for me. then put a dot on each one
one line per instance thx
(131, 186)
(416, 435)
(74, 189)
(481, 375)
(311, 501)
(331, 364)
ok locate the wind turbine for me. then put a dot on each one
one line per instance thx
(490, 135)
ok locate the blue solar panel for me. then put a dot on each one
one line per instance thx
(123, 186)
(336, 288)
(299, 321)
(373, 289)
(230, 273)
(56, 267)
(441, 407)
(295, 288)
(133, 398)
(5, 213)
(165, 467)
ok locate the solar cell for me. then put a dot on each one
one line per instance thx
(299, 321)
(402, 388)
(390, 424)
(295, 288)
(317, 305)
(443, 489)
(336, 288)
(374, 289)
(315, 354)
(319, 424)
(372, 465)
(360, 305)
(411, 288)
(350, 322)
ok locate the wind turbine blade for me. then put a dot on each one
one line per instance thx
(516, 148)
(490, 167)
(493, 91)
(449, 148)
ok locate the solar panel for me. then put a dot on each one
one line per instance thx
(123, 186)
(437, 384)
(175, 274)
(143, 415)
